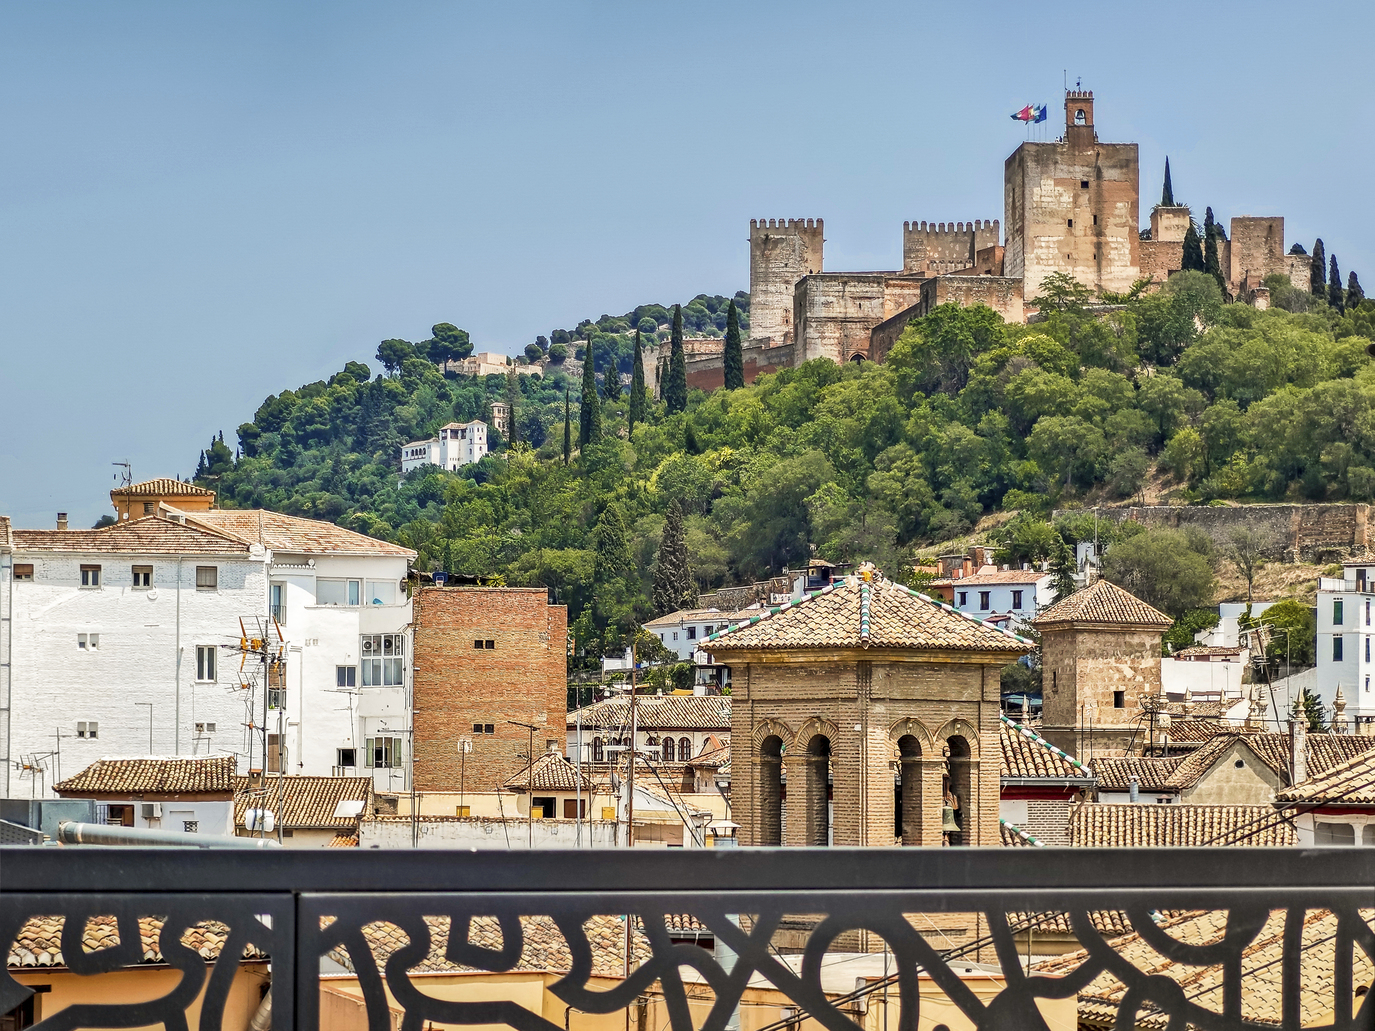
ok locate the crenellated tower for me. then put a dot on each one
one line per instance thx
(782, 251)
(939, 248)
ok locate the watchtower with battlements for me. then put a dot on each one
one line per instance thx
(939, 248)
(782, 251)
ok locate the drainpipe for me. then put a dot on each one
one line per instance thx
(72, 833)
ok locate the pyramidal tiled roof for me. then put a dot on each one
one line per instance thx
(165, 487)
(153, 775)
(1103, 604)
(1027, 754)
(551, 772)
(859, 613)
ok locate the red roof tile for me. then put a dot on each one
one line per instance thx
(169, 775)
(1102, 604)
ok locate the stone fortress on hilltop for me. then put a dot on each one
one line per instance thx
(1071, 206)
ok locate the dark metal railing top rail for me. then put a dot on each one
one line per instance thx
(303, 908)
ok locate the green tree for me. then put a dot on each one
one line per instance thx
(1354, 294)
(590, 417)
(1211, 263)
(558, 354)
(567, 427)
(1312, 709)
(1161, 567)
(612, 545)
(734, 360)
(674, 585)
(1294, 630)
(1186, 628)
(611, 383)
(1334, 287)
(534, 353)
(448, 344)
(391, 353)
(1167, 194)
(1193, 251)
(638, 401)
(1317, 270)
(675, 388)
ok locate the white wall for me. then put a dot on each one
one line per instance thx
(487, 833)
(145, 636)
(1035, 596)
(211, 817)
(1355, 672)
(1216, 679)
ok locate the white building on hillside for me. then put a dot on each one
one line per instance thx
(458, 444)
(126, 640)
(1345, 629)
(1009, 597)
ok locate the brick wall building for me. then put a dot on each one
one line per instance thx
(483, 656)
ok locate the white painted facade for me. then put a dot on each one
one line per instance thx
(458, 444)
(1335, 828)
(179, 817)
(1205, 678)
(1014, 597)
(99, 667)
(1346, 626)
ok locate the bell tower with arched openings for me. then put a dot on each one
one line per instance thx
(860, 713)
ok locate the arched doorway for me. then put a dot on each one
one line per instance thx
(909, 797)
(957, 785)
(818, 799)
(771, 790)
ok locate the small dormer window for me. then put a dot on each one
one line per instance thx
(1080, 118)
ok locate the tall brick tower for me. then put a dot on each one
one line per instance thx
(1073, 206)
(782, 251)
(857, 711)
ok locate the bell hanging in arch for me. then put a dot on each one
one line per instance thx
(948, 824)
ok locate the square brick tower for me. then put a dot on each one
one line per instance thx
(1072, 206)
(1100, 655)
(856, 710)
(483, 656)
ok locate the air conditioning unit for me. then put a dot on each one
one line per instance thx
(367, 646)
(152, 810)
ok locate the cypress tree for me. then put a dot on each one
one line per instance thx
(590, 418)
(1317, 271)
(1354, 294)
(1193, 250)
(567, 426)
(612, 546)
(674, 585)
(637, 388)
(675, 390)
(611, 382)
(1211, 264)
(734, 361)
(1167, 194)
(1334, 287)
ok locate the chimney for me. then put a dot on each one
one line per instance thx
(1298, 746)
(62, 520)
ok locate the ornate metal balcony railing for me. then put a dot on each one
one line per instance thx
(305, 908)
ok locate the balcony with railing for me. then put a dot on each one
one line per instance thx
(801, 939)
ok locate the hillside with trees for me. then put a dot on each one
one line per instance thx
(1173, 394)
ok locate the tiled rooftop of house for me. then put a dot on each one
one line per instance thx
(1263, 969)
(286, 533)
(674, 619)
(153, 775)
(1102, 604)
(1349, 783)
(165, 487)
(1012, 836)
(859, 613)
(305, 803)
(712, 758)
(551, 772)
(1176, 773)
(992, 577)
(39, 941)
(656, 712)
(150, 535)
(1152, 773)
(1027, 754)
(1150, 825)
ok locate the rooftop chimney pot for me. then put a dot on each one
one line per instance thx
(62, 520)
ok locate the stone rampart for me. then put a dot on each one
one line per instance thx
(937, 248)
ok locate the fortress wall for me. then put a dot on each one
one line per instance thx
(937, 248)
(782, 251)
(1257, 248)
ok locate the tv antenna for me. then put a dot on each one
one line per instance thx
(126, 478)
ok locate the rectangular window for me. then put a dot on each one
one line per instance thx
(484, 728)
(143, 577)
(205, 728)
(964, 597)
(574, 808)
(1119, 699)
(1367, 647)
(345, 676)
(381, 592)
(346, 757)
(1016, 599)
(276, 753)
(150, 508)
(384, 753)
(1336, 647)
(205, 662)
(24, 571)
(276, 698)
(1083, 184)
(692, 633)
(1367, 601)
(675, 635)
(1336, 611)
(336, 592)
(190, 826)
(90, 729)
(383, 660)
(277, 595)
(1069, 222)
(90, 576)
(207, 578)
(707, 630)
(985, 600)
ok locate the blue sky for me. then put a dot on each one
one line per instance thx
(205, 204)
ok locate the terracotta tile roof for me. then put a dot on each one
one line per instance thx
(1144, 825)
(305, 802)
(1027, 754)
(1196, 650)
(39, 941)
(1102, 604)
(1198, 710)
(1195, 729)
(673, 619)
(657, 712)
(1115, 773)
(147, 536)
(679, 923)
(998, 576)
(854, 613)
(1350, 783)
(551, 772)
(149, 775)
(1262, 972)
(1105, 921)
(1012, 836)
(1324, 751)
(165, 487)
(294, 534)
(343, 841)
(712, 758)
(545, 947)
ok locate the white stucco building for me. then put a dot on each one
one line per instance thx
(1345, 628)
(1009, 597)
(458, 444)
(126, 641)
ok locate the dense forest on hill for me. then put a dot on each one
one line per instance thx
(966, 417)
